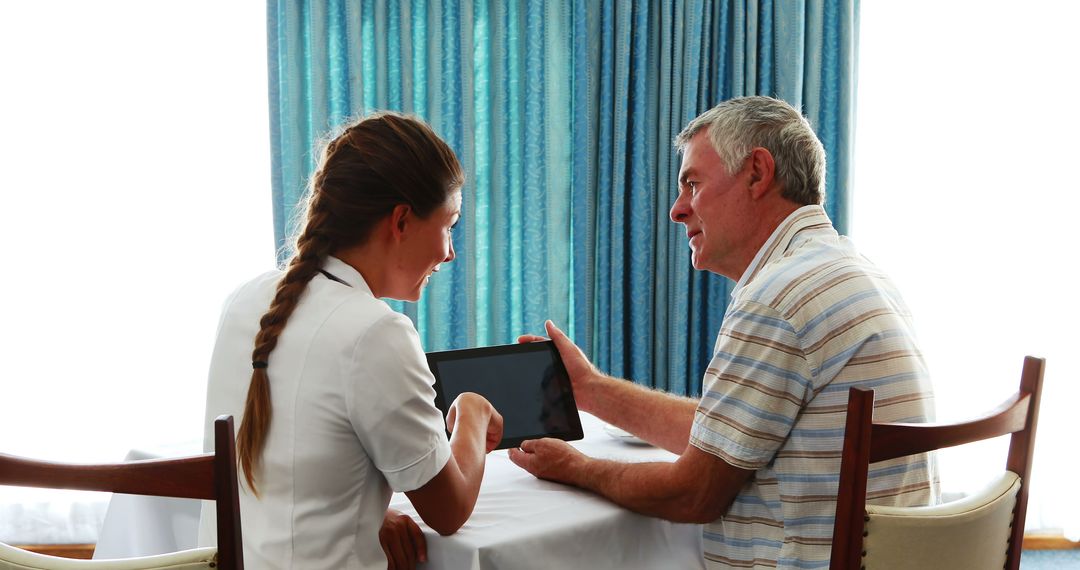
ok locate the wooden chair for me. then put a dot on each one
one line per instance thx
(985, 530)
(207, 476)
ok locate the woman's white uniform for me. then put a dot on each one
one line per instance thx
(353, 419)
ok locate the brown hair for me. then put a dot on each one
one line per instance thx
(377, 163)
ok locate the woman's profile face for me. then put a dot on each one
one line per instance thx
(427, 244)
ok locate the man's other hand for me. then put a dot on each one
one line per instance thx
(548, 458)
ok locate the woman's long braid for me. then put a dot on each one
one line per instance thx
(380, 162)
(312, 249)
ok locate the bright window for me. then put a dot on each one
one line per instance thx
(134, 175)
(965, 192)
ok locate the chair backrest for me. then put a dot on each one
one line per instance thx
(209, 476)
(866, 442)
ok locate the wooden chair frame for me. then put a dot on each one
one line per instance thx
(866, 442)
(210, 476)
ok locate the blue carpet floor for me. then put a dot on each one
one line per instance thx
(1050, 559)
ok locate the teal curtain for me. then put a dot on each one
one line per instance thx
(563, 114)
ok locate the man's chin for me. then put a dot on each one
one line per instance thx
(695, 261)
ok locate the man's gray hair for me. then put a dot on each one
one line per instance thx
(737, 126)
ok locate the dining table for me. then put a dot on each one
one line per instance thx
(523, 522)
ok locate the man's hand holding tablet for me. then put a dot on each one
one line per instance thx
(578, 367)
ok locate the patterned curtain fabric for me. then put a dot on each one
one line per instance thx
(563, 114)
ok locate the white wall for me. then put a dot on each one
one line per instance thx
(135, 190)
(966, 192)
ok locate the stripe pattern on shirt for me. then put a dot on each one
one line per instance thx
(810, 319)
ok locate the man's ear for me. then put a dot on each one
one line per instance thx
(762, 172)
(400, 218)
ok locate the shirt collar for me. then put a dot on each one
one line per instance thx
(782, 238)
(346, 273)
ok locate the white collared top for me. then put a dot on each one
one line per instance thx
(353, 420)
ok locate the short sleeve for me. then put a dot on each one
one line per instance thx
(391, 405)
(756, 386)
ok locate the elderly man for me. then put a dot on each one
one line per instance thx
(809, 318)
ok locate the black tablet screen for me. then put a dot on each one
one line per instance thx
(526, 383)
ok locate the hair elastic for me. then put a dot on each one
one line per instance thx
(256, 364)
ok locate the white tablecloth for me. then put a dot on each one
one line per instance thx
(519, 521)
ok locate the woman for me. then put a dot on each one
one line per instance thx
(339, 409)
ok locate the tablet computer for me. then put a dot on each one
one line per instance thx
(527, 383)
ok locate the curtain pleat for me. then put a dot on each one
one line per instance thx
(563, 114)
(587, 32)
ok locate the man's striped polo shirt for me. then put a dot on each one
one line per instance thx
(809, 319)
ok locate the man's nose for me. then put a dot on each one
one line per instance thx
(679, 210)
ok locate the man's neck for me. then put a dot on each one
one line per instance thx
(772, 215)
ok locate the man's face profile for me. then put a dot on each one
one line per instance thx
(713, 206)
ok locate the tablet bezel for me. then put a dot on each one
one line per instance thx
(572, 434)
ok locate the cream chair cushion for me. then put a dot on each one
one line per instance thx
(12, 558)
(972, 532)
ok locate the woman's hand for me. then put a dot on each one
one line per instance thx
(469, 404)
(583, 374)
(402, 541)
(446, 501)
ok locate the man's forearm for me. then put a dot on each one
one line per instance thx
(651, 489)
(697, 487)
(661, 419)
